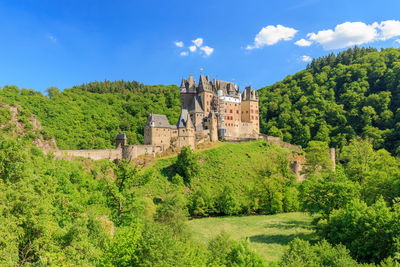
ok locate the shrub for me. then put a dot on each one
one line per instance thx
(369, 232)
(187, 164)
(301, 253)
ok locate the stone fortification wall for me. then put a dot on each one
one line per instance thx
(279, 142)
(126, 152)
(95, 154)
(133, 151)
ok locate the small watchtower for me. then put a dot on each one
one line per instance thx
(120, 141)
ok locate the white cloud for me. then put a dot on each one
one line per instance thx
(345, 35)
(397, 41)
(179, 43)
(207, 50)
(389, 29)
(192, 48)
(355, 33)
(197, 47)
(198, 42)
(306, 58)
(303, 42)
(271, 35)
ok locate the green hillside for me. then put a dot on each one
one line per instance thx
(238, 170)
(338, 97)
(91, 115)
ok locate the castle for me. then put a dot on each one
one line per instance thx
(209, 111)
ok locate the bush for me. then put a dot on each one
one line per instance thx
(369, 232)
(226, 252)
(173, 212)
(301, 253)
(291, 199)
(187, 164)
(177, 179)
(227, 202)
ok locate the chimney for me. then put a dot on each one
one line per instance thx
(208, 78)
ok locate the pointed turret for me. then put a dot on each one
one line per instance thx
(192, 84)
(183, 85)
(184, 119)
(189, 123)
(245, 94)
(204, 84)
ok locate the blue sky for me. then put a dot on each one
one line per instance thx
(65, 43)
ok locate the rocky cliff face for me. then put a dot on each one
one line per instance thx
(18, 124)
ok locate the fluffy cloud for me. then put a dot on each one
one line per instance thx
(197, 47)
(398, 41)
(207, 50)
(198, 42)
(179, 43)
(355, 33)
(271, 35)
(345, 35)
(193, 48)
(389, 29)
(303, 42)
(306, 58)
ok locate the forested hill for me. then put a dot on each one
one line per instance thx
(91, 115)
(338, 97)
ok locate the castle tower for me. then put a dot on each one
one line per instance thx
(157, 131)
(212, 125)
(186, 135)
(187, 92)
(120, 141)
(205, 93)
(249, 107)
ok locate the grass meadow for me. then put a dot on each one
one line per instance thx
(269, 235)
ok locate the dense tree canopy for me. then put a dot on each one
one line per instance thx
(91, 115)
(355, 93)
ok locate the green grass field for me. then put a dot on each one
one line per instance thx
(268, 234)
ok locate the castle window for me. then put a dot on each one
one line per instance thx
(231, 111)
(237, 111)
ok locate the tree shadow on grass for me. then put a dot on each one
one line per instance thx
(289, 225)
(279, 239)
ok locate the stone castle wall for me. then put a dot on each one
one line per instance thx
(127, 152)
(133, 151)
(95, 154)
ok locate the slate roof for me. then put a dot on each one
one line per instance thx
(184, 119)
(196, 105)
(204, 85)
(158, 120)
